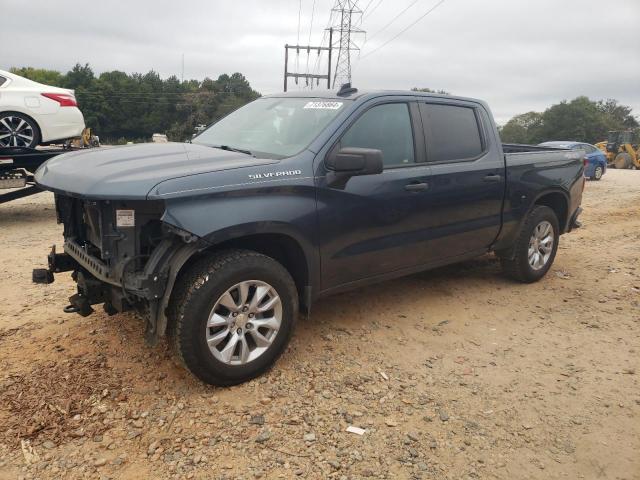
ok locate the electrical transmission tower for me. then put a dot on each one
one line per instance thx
(346, 12)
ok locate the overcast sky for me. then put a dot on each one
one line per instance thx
(519, 55)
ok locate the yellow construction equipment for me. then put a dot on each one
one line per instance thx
(620, 152)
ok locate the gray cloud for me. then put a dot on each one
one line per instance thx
(519, 55)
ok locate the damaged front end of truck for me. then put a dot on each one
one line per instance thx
(122, 255)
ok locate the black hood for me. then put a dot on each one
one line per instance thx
(131, 171)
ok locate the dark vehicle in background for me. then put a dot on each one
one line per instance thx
(596, 161)
(293, 197)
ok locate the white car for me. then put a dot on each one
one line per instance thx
(33, 114)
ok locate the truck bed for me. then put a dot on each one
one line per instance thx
(518, 154)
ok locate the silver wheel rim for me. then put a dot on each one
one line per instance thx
(540, 245)
(244, 322)
(15, 132)
(598, 173)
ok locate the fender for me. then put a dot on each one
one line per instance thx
(513, 221)
(172, 266)
(310, 251)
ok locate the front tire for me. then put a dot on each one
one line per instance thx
(232, 316)
(18, 130)
(535, 248)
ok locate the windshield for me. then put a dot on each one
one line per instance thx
(272, 127)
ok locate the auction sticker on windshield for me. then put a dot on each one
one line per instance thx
(324, 105)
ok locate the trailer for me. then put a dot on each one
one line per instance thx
(17, 166)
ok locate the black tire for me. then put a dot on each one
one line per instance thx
(195, 296)
(518, 267)
(9, 122)
(597, 173)
(623, 161)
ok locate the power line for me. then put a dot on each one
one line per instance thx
(313, 9)
(324, 36)
(392, 20)
(404, 30)
(298, 41)
(364, 10)
(373, 9)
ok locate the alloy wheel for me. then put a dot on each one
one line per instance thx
(244, 322)
(540, 245)
(598, 173)
(15, 132)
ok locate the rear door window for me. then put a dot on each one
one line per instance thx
(452, 132)
(387, 128)
(2, 80)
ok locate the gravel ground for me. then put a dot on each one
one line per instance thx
(455, 373)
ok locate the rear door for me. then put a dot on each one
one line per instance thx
(467, 182)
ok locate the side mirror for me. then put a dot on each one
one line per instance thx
(352, 161)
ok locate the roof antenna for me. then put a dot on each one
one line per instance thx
(346, 89)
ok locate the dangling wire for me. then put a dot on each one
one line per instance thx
(313, 9)
(298, 42)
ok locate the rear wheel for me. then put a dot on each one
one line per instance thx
(232, 316)
(535, 248)
(622, 161)
(18, 130)
(597, 173)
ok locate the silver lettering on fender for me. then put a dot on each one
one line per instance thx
(271, 175)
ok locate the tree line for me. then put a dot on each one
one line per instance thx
(120, 106)
(580, 120)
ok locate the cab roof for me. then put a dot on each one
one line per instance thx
(362, 94)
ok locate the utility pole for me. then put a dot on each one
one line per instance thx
(346, 10)
(307, 76)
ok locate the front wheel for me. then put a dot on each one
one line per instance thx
(232, 316)
(535, 248)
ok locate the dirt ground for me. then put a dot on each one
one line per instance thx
(455, 373)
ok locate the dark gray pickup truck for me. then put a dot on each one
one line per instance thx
(221, 241)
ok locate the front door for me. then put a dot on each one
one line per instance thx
(373, 225)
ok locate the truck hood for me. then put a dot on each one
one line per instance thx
(130, 172)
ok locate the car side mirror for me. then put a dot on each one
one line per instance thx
(355, 161)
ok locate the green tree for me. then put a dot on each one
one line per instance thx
(40, 75)
(580, 119)
(80, 77)
(429, 90)
(524, 128)
(618, 117)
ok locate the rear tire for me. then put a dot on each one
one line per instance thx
(18, 130)
(597, 173)
(535, 248)
(219, 327)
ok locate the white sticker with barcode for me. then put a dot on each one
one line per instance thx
(324, 105)
(125, 218)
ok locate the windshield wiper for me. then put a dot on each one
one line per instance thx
(233, 149)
